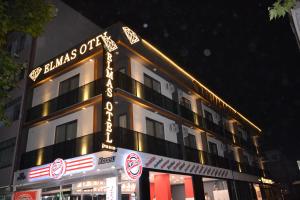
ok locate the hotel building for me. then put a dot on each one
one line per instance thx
(115, 118)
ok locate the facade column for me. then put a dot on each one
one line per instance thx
(188, 188)
(144, 185)
(162, 187)
(198, 187)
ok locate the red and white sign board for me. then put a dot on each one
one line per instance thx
(60, 168)
(133, 166)
(27, 195)
(151, 161)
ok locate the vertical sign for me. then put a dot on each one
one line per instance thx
(107, 102)
(111, 188)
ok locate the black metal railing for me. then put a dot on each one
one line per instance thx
(70, 98)
(129, 139)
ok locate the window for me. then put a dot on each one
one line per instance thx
(67, 131)
(69, 84)
(208, 115)
(155, 128)
(12, 109)
(213, 148)
(186, 103)
(190, 141)
(152, 83)
(6, 152)
(123, 121)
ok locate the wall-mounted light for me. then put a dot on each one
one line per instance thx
(50, 80)
(154, 69)
(91, 60)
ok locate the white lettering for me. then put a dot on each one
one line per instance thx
(73, 54)
(83, 49)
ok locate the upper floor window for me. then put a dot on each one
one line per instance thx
(186, 103)
(67, 131)
(152, 83)
(213, 148)
(12, 109)
(69, 84)
(208, 115)
(155, 128)
(190, 141)
(123, 121)
(6, 152)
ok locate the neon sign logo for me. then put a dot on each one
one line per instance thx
(133, 166)
(35, 73)
(57, 168)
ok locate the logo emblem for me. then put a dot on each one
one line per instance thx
(35, 73)
(57, 168)
(131, 35)
(133, 166)
(25, 197)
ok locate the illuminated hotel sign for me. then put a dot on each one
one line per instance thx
(107, 101)
(266, 181)
(71, 55)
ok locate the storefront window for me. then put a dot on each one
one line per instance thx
(92, 189)
(215, 189)
(164, 186)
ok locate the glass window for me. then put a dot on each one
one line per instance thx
(6, 152)
(213, 148)
(208, 115)
(155, 128)
(67, 131)
(123, 121)
(152, 83)
(190, 141)
(186, 103)
(69, 84)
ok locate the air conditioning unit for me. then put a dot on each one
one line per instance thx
(170, 87)
(174, 128)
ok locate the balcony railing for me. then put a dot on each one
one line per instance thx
(138, 89)
(70, 98)
(129, 139)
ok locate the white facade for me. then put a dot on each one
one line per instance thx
(44, 135)
(139, 122)
(50, 89)
(139, 70)
(215, 115)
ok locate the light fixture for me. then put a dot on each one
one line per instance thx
(50, 80)
(91, 60)
(83, 108)
(154, 69)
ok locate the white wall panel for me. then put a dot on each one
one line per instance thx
(139, 69)
(215, 115)
(50, 89)
(44, 134)
(220, 145)
(139, 122)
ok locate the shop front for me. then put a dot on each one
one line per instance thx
(124, 174)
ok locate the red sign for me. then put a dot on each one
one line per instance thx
(133, 166)
(27, 195)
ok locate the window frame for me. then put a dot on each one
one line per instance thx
(121, 115)
(68, 80)
(213, 144)
(155, 134)
(186, 103)
(65, 131)
(152, 80)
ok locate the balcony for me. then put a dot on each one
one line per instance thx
(68, 99)
(139, 90)
(127, 139)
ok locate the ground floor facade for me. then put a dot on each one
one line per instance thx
(131, 175)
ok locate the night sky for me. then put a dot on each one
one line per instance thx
(231, 47)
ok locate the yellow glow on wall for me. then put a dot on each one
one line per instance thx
(86, 93)
(200, 84)
(202, 158)
(84, 146)
(239, 166)
(45, 109)
(139, 90)
(39, 160)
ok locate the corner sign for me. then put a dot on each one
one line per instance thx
(131, 35)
